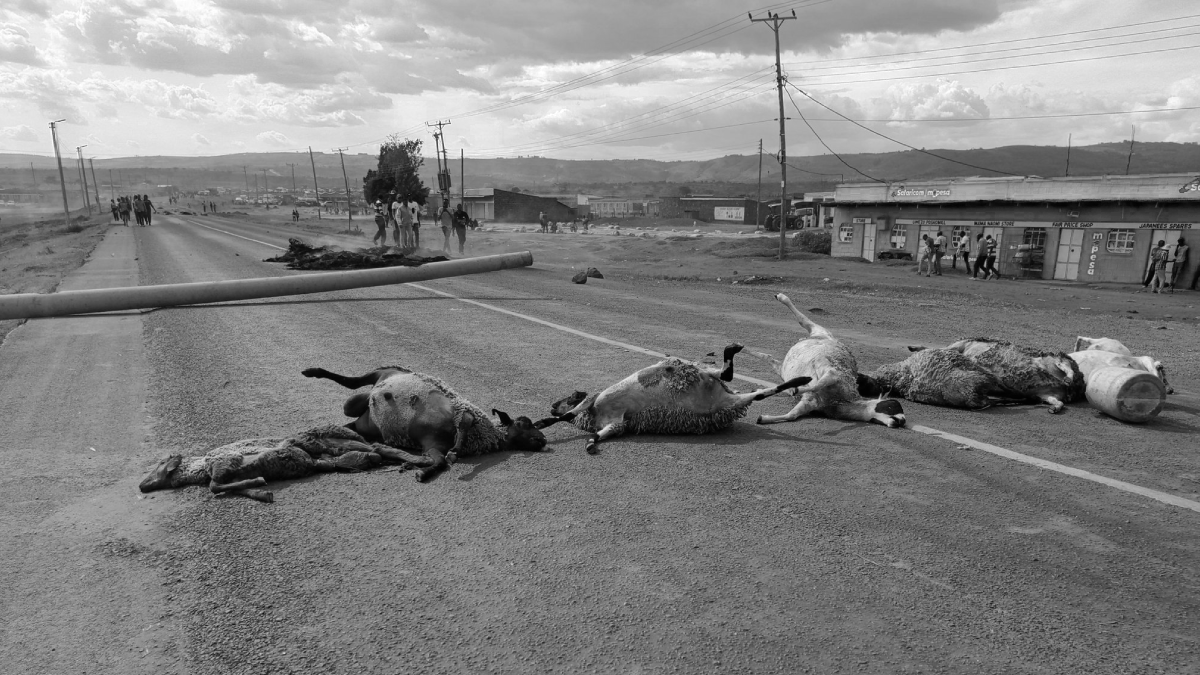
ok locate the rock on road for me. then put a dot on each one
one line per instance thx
(819, 546)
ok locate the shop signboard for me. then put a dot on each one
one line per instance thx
(729, 213)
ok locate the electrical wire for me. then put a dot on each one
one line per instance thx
(910, 147)
(831, 150)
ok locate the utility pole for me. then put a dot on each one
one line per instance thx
(758, 206)
(316, 189)
(774, 21)
(462, 177)
(112, 188)
(34, 174)
(83, 179)
(1068, 172)
(1132, 138)
(439, 148)
(293, 178)
(349, 213)
(95, 185)
(247, 177)
(62, 181)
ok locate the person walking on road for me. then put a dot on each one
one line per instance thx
(939, 249)
(460, 227)
(112, 204)
(1158, 258)
(147, 209)
(445, 218)
(416, 223)
(543, 221)
(925, 255)
(964, 251)
(990, 263)
(981, 247)
(138, 213)
(380, 238)
(404, 220)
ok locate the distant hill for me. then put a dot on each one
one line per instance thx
(732, 174)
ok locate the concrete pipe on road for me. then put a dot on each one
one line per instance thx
(38, 305)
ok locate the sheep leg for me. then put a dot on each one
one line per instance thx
(264, 496)
(887, 412)
(437, 462)
(610, 430)
(727, 371)
(399, 456)
(768, 392)
(347, 381)
(465, 422)
(218, 488)
(807, 405)
(813, 329)
(357, 405)
(1056, 405)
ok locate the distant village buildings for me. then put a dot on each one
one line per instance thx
(1094, 229)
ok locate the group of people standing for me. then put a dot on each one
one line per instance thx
(933, 248)
(405, 220)
(140, 206)
(1165, 266)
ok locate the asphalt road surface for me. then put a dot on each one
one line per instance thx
(817, 546)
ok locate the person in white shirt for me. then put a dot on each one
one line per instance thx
(964, 250)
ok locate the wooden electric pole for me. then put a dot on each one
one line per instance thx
(758, 206)
(316, 188)
(62, 181)
(95, 185)
(87, 200)
(774, 21)
(1068, 171)
(349, 214)
(439, 149)
(1129, 160)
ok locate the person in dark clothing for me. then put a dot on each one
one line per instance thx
(980, 255)
(147, 209)
(380, 238)
(990, 267)
(460, 227)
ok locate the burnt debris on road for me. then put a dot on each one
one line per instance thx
(302, 256)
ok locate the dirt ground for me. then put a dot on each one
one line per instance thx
(35, 255)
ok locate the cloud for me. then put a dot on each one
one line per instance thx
(327, 106)
(929, 100)
(16, 47)
(274, 139)
(56, 92)
(200, 139)
(20, 133)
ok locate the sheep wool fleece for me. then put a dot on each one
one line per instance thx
(284, 458)
(677, 380)
(408, 390)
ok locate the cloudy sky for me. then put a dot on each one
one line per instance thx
(573, 79)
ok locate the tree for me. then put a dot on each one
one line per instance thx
(397, 169)
(684, 191)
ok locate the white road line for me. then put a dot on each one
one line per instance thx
(281, 248)
(954, 438)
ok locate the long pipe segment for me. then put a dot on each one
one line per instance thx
(66, 303)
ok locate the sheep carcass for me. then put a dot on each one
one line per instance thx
(1093, 353)
(938, 377)
(672, 396)
(1021, 373)
(1103, 344)
(241, 466)
(832, 372)
(415, 411)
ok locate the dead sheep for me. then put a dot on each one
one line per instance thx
(938, 377)
(1093, 353)
(241, 466)
(1022, 373)
(673, 396)
(418, 412)
(832, 373)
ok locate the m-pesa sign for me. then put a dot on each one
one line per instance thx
(903, 191)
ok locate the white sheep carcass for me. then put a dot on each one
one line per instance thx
(242, 466)
(410, 410)
(673, 396)
(832, 373)
(1093, 353)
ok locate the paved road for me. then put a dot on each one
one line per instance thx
(819, 546)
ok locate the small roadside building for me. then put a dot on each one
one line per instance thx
(737, 210)
(1093, 228)
(504, 206)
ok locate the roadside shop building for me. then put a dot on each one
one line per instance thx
(504, 206)
(1091, 229)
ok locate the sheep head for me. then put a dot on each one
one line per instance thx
(561, 406)
(520, 434)
(159, 477)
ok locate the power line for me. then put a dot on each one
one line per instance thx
(810, 65)
(831, 150)
(997, 68)
(921, 150)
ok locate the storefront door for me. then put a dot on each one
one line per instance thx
(868, 245)
(1070, 250)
